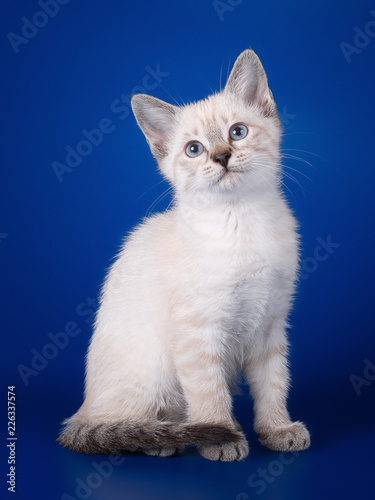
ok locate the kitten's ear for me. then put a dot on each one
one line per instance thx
(248, 81)
(156, 119)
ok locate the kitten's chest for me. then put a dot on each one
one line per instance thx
(234, 265)
(232, 246)
(230, 269)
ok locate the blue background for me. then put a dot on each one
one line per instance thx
(58, 238)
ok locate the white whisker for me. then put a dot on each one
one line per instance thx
(306, 152)
(286, 174)
(220, 77)
(297, 158)
(296, 170)
(181, 103)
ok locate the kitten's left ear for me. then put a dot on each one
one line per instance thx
(248, 81)
(156, 119)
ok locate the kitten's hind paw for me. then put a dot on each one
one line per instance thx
(164, 451)
(294, 437)
(227, 452)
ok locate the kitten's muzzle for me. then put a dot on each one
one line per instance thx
(222, 158)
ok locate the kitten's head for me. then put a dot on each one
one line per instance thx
(225, 144)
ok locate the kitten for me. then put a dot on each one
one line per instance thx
(200, 292)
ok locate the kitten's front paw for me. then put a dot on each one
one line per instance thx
(228, 452)
(294, 437)
(164, 451)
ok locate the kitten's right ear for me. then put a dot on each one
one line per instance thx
(248, 81)
(157, 120)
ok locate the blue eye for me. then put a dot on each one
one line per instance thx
(238, 132)
(194, 149)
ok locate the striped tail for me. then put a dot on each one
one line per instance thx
(115, 438)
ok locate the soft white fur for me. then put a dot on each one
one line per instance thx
(202, 291)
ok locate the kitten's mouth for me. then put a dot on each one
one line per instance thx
(229, 173)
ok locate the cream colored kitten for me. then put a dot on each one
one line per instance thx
(200, 292)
